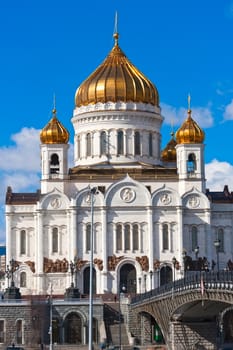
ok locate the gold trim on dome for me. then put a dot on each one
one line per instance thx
(54, 132)
(115, 80)
(190, 131)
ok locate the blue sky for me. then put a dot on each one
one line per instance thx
(51, 46)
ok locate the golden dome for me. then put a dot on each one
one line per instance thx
(169, 152)
(190, 132)
(54, 132)
(115, 80)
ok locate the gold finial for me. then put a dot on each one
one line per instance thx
(172, 128)
(54, 105)
(189, 102)
(116, 35)
(189, 106)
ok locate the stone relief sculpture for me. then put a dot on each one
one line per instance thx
(113, 261)
(55, 266)
(144, 262)
(99, 263)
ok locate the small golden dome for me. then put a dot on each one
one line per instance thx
(54, 132)
(169, 152)
(190, 132)
(115, 80)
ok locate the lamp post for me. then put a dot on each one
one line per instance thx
(121, 289)
(151, 275)
(145, 283)
(93, 192)
(140, 284)
(217, 245)
(51, 319)
(184, 254)
(196, 251)
(158, 272)
(174, 266)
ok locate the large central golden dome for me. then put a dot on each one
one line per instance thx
(116, 80)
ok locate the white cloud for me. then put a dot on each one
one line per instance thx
(228, 113)
(219, 174)
(176, 116)
(24, 155)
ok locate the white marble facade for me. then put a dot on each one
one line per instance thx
(145, 213)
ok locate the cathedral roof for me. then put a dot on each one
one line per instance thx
(54, 132)
(190, 131)
(169, 152)
(116, 80)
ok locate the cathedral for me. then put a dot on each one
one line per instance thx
(134, 214)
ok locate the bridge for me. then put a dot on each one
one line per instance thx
(195, 312)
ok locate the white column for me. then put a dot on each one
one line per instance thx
(72, 232)
(209, 239)
(150, 235)
(124, 143)
(39, 251)
(8, 236)
(179, 234)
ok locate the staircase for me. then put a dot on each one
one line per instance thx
(115, 325)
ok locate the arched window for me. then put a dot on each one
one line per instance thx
(88, 237)
(55, 240)
(150, 145)
(135, 237)
(54, 164)
(119, 237)
(194, 238)
(19, 332)
(191, 163)
(88, 145)
(165, 237)
(137, 143)
(220, 236)
(127, 237)
(22, 242)
(23, 279)
(103, 143)
(120, 142)
(79, 147)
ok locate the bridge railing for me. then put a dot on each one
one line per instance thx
(193, 280)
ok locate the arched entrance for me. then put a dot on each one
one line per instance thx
(73, 329)
(165, 275)
(128, 278)
(86, 280)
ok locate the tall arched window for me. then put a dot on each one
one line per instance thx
(19, 332)
(165, 237)
(150, 145)
(194, 238)
(137, 143)
(220, 236)
(127, 237)
(103, 143)
(191, 163)
(55, 240)
(135, 237)
(22, 242)
(23, 279)
(119, 237)
(79, 147)
(88, 145)
(88, 237)
(54, 164)
(120, 142)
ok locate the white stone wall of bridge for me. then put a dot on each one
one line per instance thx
(165, 312)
